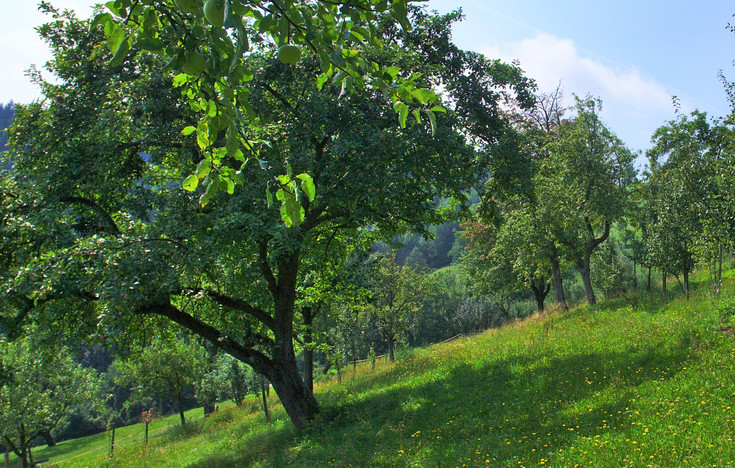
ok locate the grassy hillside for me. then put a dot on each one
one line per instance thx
(627, 383)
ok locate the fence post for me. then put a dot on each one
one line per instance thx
(112, 442)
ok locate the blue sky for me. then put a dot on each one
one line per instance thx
(634, 55)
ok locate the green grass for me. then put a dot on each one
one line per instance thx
(640, 383)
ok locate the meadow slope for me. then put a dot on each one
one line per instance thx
(630, 382)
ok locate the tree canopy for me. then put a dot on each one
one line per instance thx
(99, 164)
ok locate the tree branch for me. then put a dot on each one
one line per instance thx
(237, 304)
(98, 209)
(256, 359)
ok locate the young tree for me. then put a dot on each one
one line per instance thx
(39, 389)
(164, 368)
(397, 292)
(691, 166)
(100, 164)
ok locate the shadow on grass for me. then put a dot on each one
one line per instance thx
(520, 408)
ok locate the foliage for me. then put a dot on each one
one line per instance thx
(163, 368)
(210, 46)
(397, 292)
(582, 187)
(124, 250)
(41, 386)
(690, 190)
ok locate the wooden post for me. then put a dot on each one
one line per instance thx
(112, 442)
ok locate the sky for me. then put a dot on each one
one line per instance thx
(633, 55)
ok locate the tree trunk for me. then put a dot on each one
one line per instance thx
(584, 271)
(719, 271)
(308, 350)
(46, 434)
(686, 284)
(557, 283)
(296, 398)
(208, 408)
(391, 346)
(179, 400)
(264, 396)
(663, 283)
(648, 281)
(540, 291)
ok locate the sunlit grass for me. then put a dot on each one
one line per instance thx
(625, 383)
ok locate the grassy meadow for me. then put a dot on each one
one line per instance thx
(630, 382)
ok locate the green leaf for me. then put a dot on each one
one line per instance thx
(432, 119)
(121, 53)
(99, 19)
(439, 109)
(402, 109)
(191, 183)
(203, 134)
(209, 193)
(321, 80)
(204, 168)
(188, 130)
(307, 185)
(228, 184)
(284, 179)
(417, 115)
(269, 197)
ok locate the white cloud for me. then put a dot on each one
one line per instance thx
(633, 104)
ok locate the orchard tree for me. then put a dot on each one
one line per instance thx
(691, 167)
(99, 164)
(164, 368)
(397, 293)
(582, 186)
(41, 386)
(207, 42)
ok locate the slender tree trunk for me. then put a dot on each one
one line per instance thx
(264, 396)
(46, 434)
(208, 408)
(648, 280)
(719, 271)
(663, 283)
(391, 345)
(179, 400)
(686, 284)
(308, 350)
(558, 284)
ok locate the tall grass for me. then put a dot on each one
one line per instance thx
(636, 382)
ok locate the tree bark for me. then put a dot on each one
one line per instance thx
(557, 283)
(686, 284)
(648, 280)
(584, 271)
(663, 283)
(308, 350)
(179, 399)
(540, 291)
(391, 346)
(46, 434)
(264, 396)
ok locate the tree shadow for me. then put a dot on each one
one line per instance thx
(520, 408)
